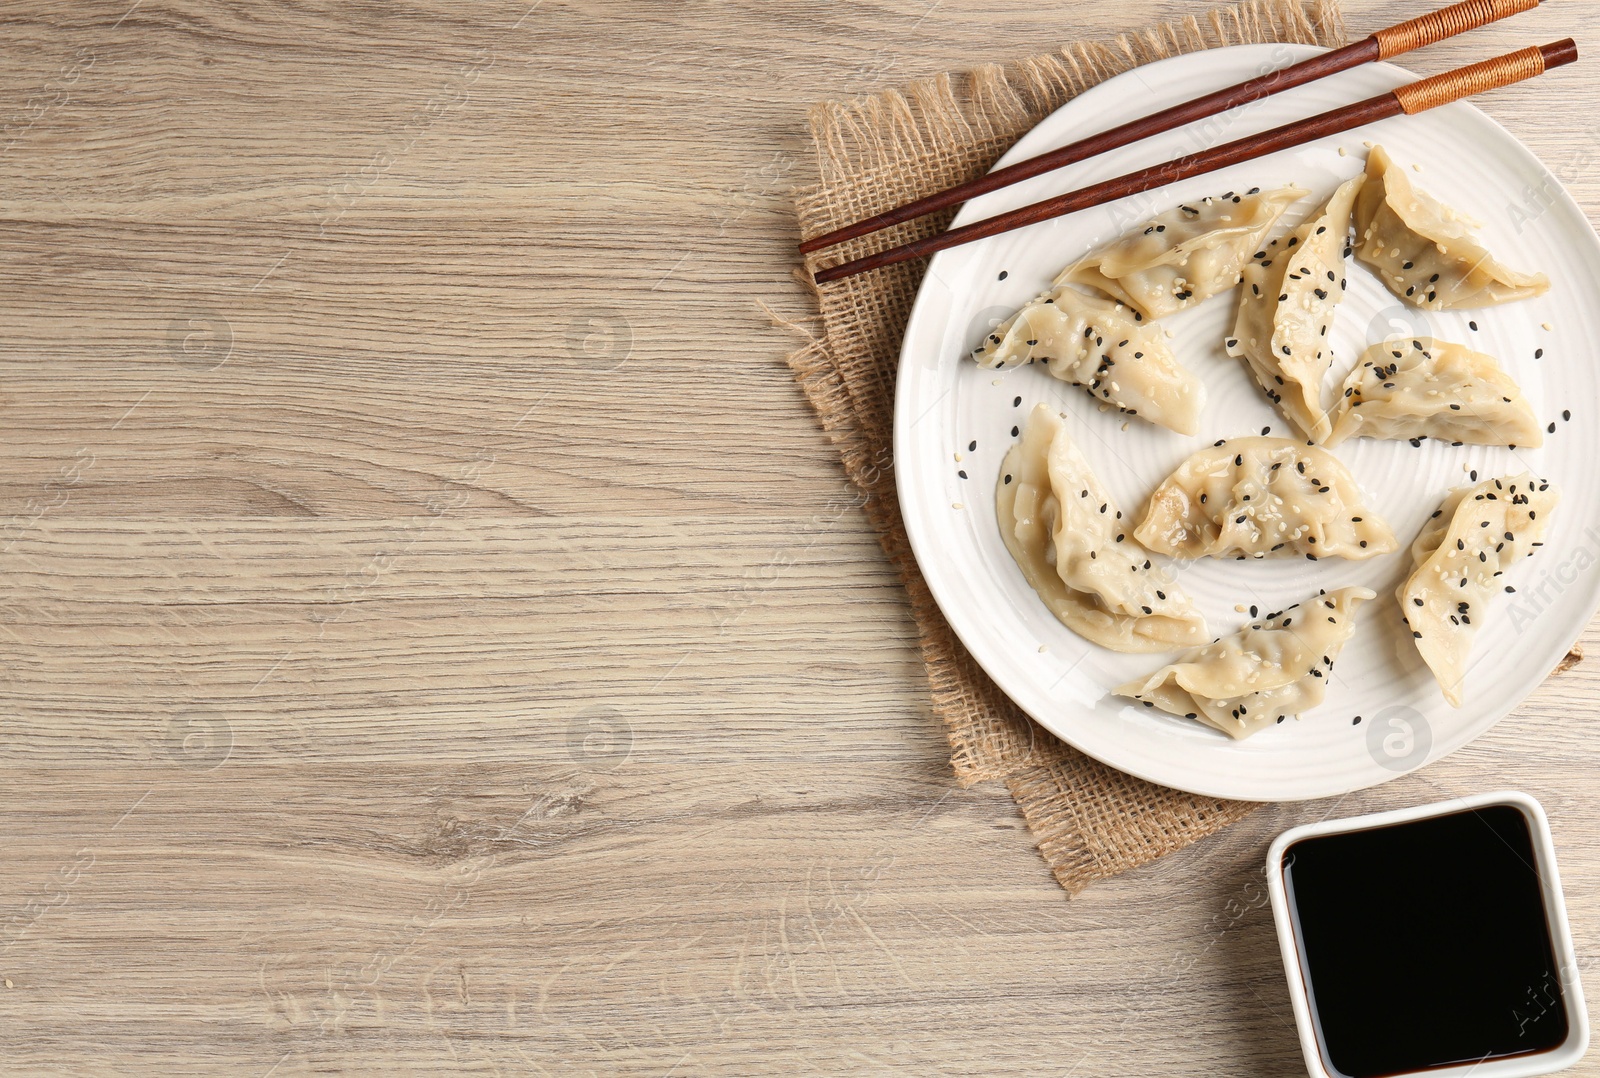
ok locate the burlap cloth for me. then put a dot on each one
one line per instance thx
(1090, 821)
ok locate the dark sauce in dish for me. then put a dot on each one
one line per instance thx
(1425, 944)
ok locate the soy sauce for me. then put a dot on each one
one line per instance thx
(1425, 944)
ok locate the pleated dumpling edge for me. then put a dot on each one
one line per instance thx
(1186, 255)
(1076, 551)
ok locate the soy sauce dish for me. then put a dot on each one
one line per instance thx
(1429, 941)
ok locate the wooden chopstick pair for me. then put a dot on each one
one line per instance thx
(1393, 41)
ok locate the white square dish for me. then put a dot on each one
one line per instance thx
(1392, 916)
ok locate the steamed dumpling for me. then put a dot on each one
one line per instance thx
(1268, 670)
(1424, 251)
(1111, 350)
(1427, 388)
(1188, 254)
(1259, 497)
(1070, 541)
(1286, 309)
(1477, 533)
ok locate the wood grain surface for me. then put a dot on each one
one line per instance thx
(436, 638)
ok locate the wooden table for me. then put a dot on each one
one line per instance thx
(437, 637)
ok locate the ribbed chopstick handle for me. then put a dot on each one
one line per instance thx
(1504, 70)
(1446, 22)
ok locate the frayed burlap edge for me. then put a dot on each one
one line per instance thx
(1090, 821)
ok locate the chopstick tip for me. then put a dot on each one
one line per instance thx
(1559, 53)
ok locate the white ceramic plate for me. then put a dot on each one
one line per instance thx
(945, 404)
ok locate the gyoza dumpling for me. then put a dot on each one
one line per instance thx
(1260, 497)
(1069, 539)
(1111, 350)
(1424, 251)
(1474, 536)
(1187, 254)
(1427, 388)
(1286, 309)
(1262, 674)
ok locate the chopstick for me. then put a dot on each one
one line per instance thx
(1404, 100)
(1382, 45)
